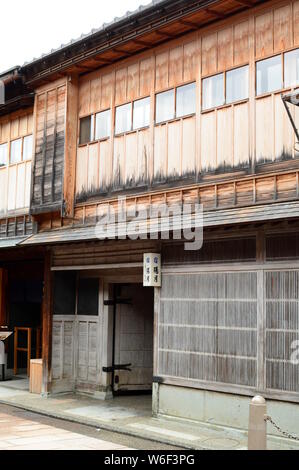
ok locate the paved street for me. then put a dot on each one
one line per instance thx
(21, 430)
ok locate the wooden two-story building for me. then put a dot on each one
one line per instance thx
(178, 102)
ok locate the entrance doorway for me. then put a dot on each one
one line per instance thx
(132, 342)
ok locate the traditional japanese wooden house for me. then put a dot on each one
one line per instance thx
(180, 101)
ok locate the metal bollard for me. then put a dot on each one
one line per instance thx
(257, 429)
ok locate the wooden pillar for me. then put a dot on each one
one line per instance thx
(47, 324)
(3, 292)
(70, 153)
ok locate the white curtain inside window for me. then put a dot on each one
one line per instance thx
(103, 124)
(123, 119)
(141, 113)
(213, 91)
(186, 100)
(165, 106)
(16, 151)
(237, 84)
(27, 148)
(269, 75)
(3, 154)
(291, 68)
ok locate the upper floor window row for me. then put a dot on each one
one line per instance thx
(281, 71)
(136, 115)
(225, 88)
(20, 150)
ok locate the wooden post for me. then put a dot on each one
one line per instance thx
(15, 368)
(47, 324)
(257, 430)
(29, 350)
(3, 288)
(70, 154)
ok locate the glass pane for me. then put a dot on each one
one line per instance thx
(64, 293)
(269, 75)
(86, 129)
(27, 148)
(213, 91)
(186, 100)
(141, 113)
(291, 68)
(165, 106)
(123, 120)
(3, 154)
(237, 84)
(88, 297)
(16, 151)
(103, 124)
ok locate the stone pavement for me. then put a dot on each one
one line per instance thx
(17, 433)
(131, 416)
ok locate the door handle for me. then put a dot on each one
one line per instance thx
(125, 367)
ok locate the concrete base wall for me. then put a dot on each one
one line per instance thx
(220, 409)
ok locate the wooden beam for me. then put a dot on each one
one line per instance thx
(121, 51)
(165, 35)
(246, 3)
(103, 61)
(70, 156)
(215, 13)
(47, 324)
(82, 68)
(190, 24)
(142, 43)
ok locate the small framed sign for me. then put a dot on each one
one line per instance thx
(152, 270)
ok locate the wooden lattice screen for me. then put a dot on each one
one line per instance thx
(230, 328)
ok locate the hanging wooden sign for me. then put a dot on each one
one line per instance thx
(152, 270)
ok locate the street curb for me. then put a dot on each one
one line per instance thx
(103, 426)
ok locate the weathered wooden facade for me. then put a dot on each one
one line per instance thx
(179, 102)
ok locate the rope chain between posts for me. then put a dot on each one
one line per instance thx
(284, 433)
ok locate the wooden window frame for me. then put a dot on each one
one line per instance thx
(93, 128)
(7, 155)
(175, 118)
(119, 134)
(284, 87)
(225, 104)
(9, 163)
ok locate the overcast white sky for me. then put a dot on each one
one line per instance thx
(32, 27)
